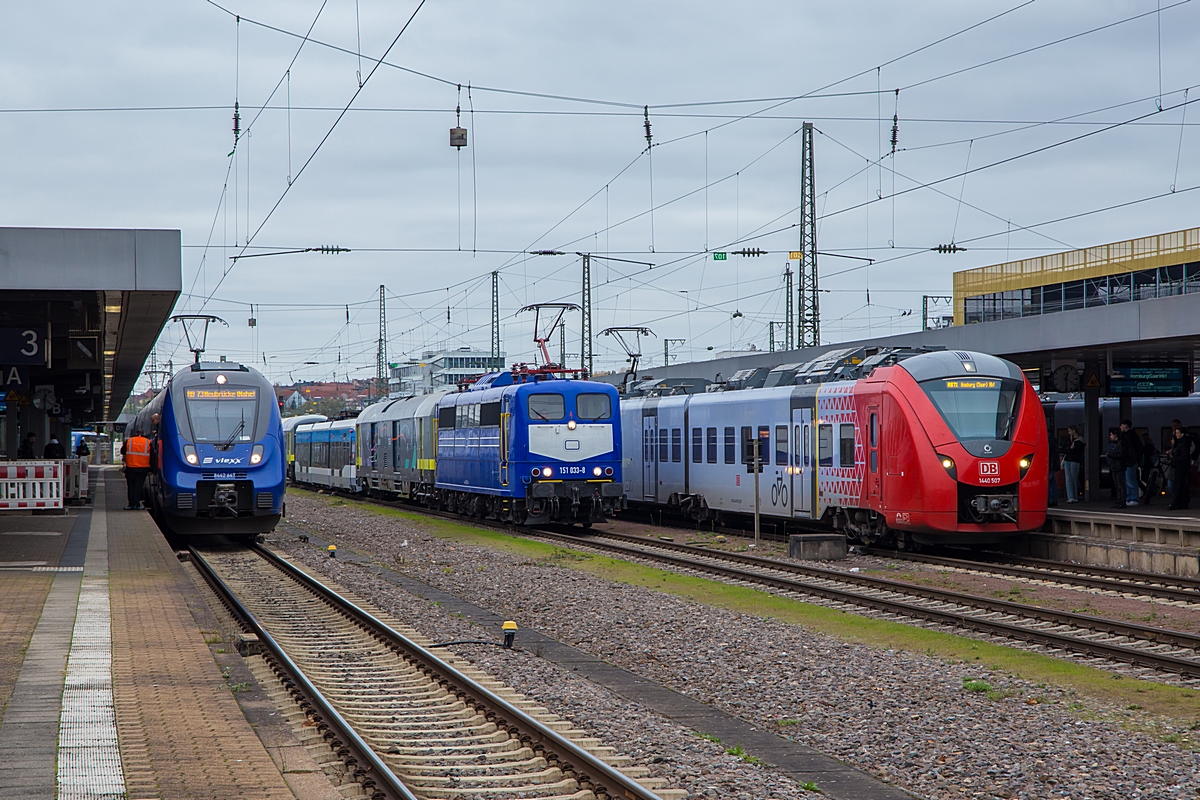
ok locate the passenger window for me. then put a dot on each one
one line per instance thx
(730, 446)
(747, 444)
(593, 405)
(711, 434)
(547, 407)
(676, 445)
(697, 445)
(489, 414)
(807, 446)
(662, 445)
(781, 446)
(796, 446)
(846, 442)
(825, 445)
(764, 445)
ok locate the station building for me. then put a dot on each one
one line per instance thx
(1110, 274)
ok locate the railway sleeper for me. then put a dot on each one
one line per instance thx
(529, 765)
(547, 775)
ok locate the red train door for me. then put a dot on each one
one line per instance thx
(874, 468)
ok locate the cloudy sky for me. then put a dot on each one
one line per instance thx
(119, 114)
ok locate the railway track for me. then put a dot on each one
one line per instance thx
(1163, 650)
(408, 724)
(1128, 582)
(1137, 645)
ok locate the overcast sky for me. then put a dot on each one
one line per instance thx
(570, 172)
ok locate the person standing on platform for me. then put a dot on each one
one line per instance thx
(83, 451)
(1073, 463)
(1181, 468)
(1117, 459)
(1133, 459)
(54, 449)
(1193, 446)
(25, 449)
(137, 464)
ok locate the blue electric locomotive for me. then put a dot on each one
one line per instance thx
(217, 464)
(529, 447)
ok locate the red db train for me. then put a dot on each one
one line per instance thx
(942, 447)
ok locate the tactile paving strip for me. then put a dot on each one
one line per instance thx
(89, 763)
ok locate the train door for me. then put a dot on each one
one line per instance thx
(505, 433)
(874, 471)
(649, 457)
(802, 462)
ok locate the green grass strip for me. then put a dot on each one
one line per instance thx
(1173, 702)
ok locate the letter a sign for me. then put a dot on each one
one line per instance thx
(12, 378)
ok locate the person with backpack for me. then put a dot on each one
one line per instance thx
(1117, 457)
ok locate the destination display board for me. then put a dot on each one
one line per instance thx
(221, 394)
(1150, 380)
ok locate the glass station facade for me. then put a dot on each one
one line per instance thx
(1122, 272)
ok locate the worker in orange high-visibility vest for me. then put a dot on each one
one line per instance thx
(137, 464)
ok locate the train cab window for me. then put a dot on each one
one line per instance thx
(676, 445)
(976, 408)
(698, 445)
(225, 414)
(711, 438)
(825, 445)
(730, 446)
(662, 445)
(547, 407)
(781, 446)
(846, 445)
(593, 406)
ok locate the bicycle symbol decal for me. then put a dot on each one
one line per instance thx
(779, 491)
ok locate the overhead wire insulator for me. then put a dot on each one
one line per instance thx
(949, 248)
(237, 122)
(649, 136)
(895, 132)
(750, 252)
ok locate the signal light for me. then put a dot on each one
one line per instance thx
(608, 471)
(536, 471)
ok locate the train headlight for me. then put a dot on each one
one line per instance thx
(571, 425)
(948, 465)
(1025, 463)
(596, 471)
(221, 379)
(189, 454)
(256, 455)
(547, 472)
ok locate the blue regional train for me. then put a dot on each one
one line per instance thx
(524, 446)
(217, 465)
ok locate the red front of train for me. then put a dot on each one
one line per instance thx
(955, 448)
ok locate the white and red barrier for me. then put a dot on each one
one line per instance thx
(31, 484)
(75, 480)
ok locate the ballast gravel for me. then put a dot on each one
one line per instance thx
(910, 719)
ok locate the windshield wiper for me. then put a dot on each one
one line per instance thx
(241, 426)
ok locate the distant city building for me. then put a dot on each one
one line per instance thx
(291, 399)
(441, 369)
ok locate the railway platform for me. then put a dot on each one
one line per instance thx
(112, 680)
(1147, 538)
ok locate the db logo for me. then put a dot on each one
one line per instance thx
(989, 467)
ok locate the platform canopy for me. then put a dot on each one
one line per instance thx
(80, 311)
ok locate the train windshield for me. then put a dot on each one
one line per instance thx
(976, 408)
(547, 407)
(223, 416)
(593, 405)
